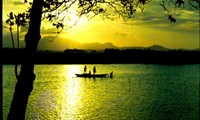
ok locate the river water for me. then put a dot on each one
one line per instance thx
(136, 92)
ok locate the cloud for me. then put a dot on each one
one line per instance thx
(18, 3)
(48, 30)
(15, 2)
(186, 21)
(189, 26)
(14, 6)
(121, 34)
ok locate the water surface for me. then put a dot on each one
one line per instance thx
(136, 92)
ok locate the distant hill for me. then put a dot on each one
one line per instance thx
(58, 44)
(157, 47)
(97, 46)
(61, 44)
(153, 47)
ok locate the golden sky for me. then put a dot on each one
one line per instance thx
(145, 29)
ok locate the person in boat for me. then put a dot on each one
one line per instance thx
(85, 69)
(94, 70)
(111, 74)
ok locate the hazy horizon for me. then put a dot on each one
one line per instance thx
(58, 46)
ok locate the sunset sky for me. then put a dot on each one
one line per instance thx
(145, 29)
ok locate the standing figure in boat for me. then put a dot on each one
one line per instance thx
(111, 74)
(85, 69)
(94, 69)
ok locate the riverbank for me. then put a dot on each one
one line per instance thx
(107, 56)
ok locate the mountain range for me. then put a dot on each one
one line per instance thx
(62, 44)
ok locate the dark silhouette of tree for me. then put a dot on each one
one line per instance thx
(26, 77)
(10, 21)
(50, 10)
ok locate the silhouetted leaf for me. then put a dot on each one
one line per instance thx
(101, 10)
(171, 18)
(7, 21)
(57, 26)
(61, 25)
(11, 15)
(142, 1)
(179, 2)
(11, 23)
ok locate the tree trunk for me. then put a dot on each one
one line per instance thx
(26, 77)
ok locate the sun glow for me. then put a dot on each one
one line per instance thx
(72, 19)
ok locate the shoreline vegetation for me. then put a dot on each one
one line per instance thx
(106, 56)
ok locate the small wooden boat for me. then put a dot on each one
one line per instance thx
(91, 75)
